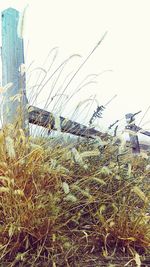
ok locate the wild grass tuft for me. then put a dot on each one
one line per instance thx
(76, 204)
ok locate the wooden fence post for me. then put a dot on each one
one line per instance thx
(15, 101)
(133, 137)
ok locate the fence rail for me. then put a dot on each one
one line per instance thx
(12, 61)
(137, 129)
(47, 119)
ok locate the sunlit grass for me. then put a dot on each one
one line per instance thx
(66, 201)
(64, 204)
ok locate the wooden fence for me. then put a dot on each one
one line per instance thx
(16, 108)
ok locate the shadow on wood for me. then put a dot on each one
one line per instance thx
(46, 119)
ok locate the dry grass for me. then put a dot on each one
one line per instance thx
(73, 204)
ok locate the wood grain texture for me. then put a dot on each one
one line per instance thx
(15, 101)
(47, 119)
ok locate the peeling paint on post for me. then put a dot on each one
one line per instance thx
(15, 101)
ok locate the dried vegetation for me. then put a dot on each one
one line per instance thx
(72, 204)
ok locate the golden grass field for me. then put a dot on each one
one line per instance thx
(83, 203)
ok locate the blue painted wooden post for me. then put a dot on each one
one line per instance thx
(15, 101)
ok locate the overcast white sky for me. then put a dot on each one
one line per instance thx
(75, 26)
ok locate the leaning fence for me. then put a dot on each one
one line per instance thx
(19, 110)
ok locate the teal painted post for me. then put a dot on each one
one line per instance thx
(15, 101)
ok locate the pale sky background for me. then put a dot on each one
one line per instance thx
(76, 26)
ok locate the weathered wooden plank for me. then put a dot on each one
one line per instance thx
(137, 129)
(46, 119)
(15, 101)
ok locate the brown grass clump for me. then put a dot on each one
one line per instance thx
(71, 205)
